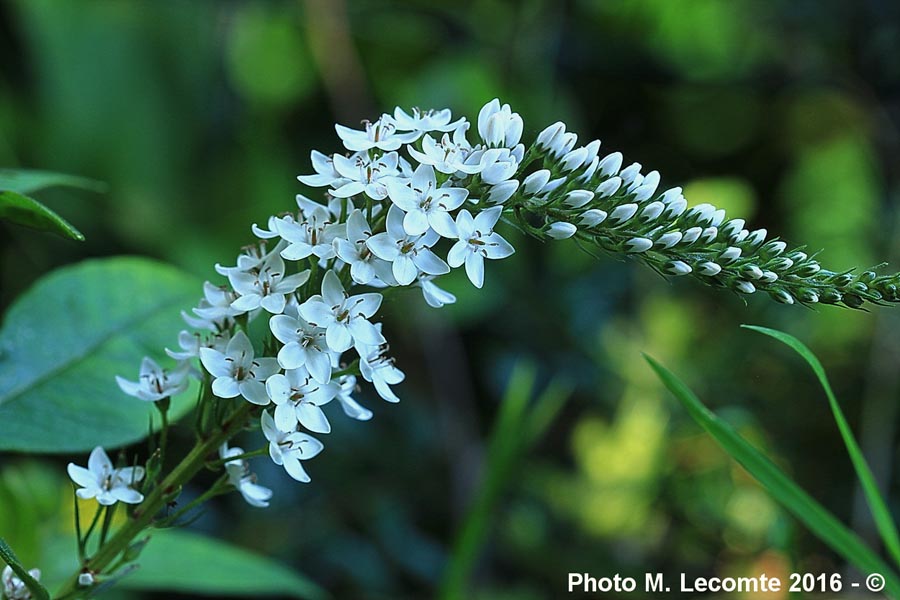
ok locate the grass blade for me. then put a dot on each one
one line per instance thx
(812, 514)
(33, 585)
(877, 505)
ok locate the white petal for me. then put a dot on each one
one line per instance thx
(475, 269)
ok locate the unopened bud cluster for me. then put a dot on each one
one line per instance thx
(571, 191)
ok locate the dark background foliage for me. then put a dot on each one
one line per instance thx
(199, 115)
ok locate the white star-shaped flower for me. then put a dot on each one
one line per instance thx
(344, 317)
(435, 296)
(352, 408)
(239, 476)
(379, 369)
(326, 175)
(107, 484)
(298, 398)
(13, 587)
(408, 254)
(365, 267)
(267, 287)
(288, 449)
(425, 204)
(382, 134)
(425, 121)
(304, 345)
(155, 383)
(447, 155)
(478, 241)
(310, 237)
(364, 174)
(236, 372)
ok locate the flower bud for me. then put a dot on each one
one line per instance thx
(830, 296)
(573, 160)
(611, 164)
(638, 244)
(677, 267)
(623, 213)
(609, 187)
(772, 249)
(709, 235)
(667, 240)
(561, 230)
(842, 280)
(745, 287)
(782, 263)
(809, 269)
(550, 134)
(578, 198)
(868, 277)
(709, 268)
(591, 151)
(652, 211)
(732, 228)
(751, 271)
(769, 277)
(731, 254)
(534, 183)
(553, 184)
(675, 208)
(808, 295)
(502, 192)
(85, 579)
(691, 235)
(756, 237)
(782, 296)
(592, 217)
(630, 173)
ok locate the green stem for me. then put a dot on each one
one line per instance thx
(143, 516)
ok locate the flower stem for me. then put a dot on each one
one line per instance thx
(143, 516)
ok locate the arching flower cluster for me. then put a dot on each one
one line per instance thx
(415, 195)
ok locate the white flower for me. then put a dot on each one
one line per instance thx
(408, 254)
(379, 369)
(13, 587)
(304, 345)
(251, 258)
(498, 125)
(365, 267)
(190, 343)
(312, 237)
(267, 288)
(381, 134)
(214, 312)
(239, 476)
(343, 317)
(363, 174)
(478, 241)
(424, 122)
(236, 372)
(326, 175)
(298, 398)
(288, 449)
(351, 407)
(449, 155)
(155, 383)
(105, 483)
(435, 297)
(425, 204)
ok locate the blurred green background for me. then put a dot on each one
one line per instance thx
(199, 115)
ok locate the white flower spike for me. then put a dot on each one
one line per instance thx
(107, 484)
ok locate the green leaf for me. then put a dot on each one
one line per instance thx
(28, 181)
(64, 341)
(877, 505)
(9, 557)
(821, 522)
(190, 563)
(28, 212)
